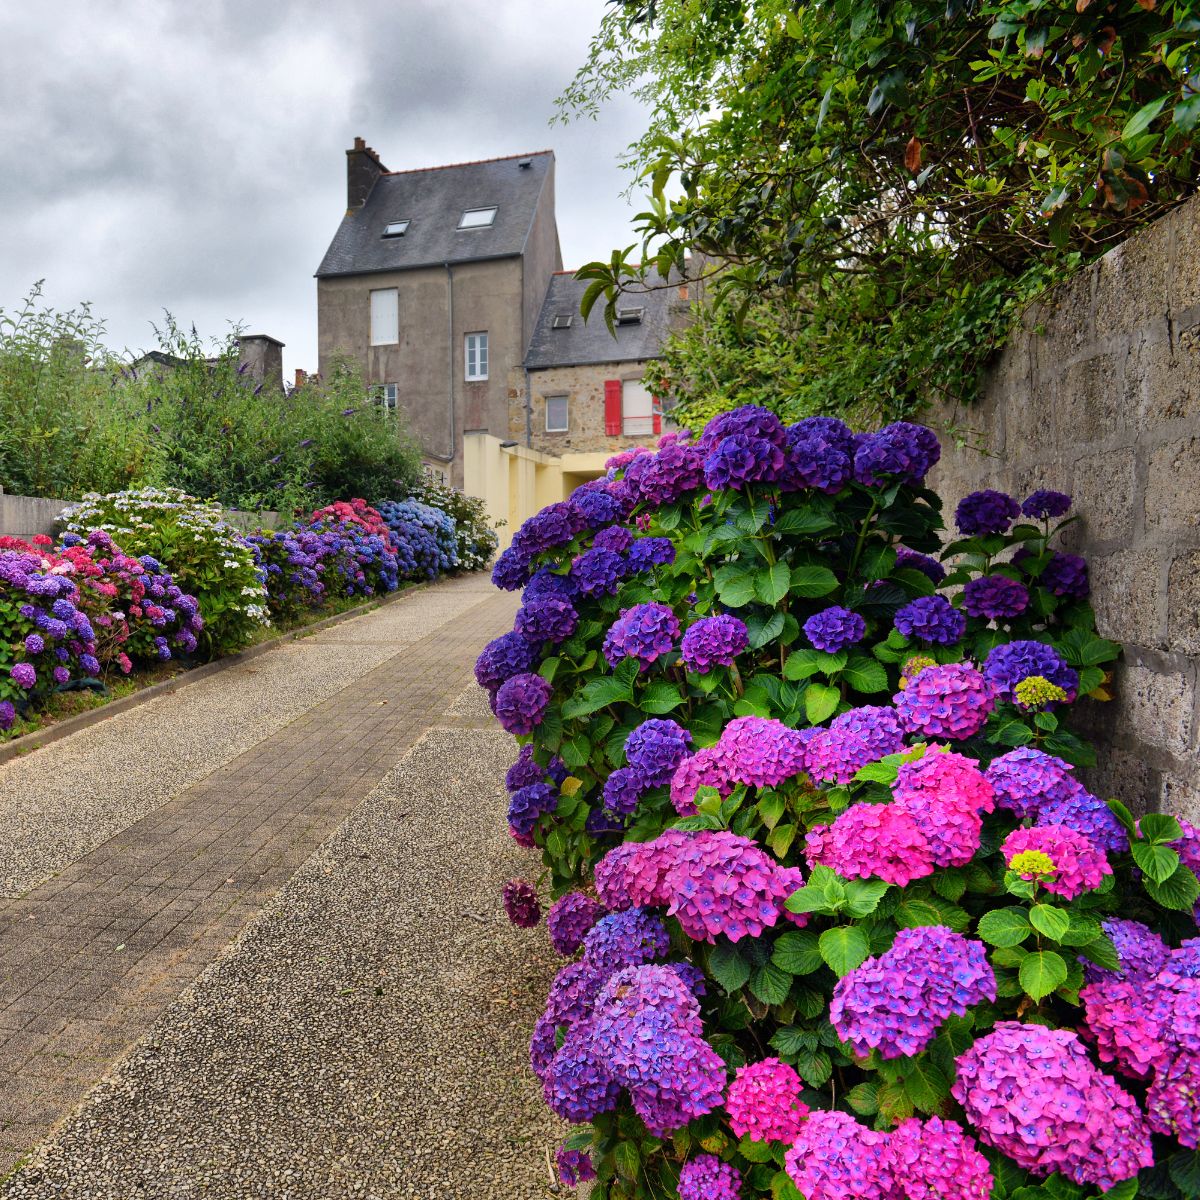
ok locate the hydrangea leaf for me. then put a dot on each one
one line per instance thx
(1005, 926)
(863, 896)
(770, 984)
(1158, 862)
(728, 967)
(796, 952)
(820, 702)
(843, 948)
(865, 675)
(628, 1159)
(864, 1099)
(660, 697)
(802, 521)
(596, 695)
(763, 629)
(1180, 891)
(805, 662)
(813, 581)
(814, 1066)
(771, 584)
(735, 584)
(926, 1084)
(1053, 922)
(1159, 828)
(1041, 972)
(755, 1152)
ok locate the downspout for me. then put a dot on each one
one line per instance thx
(450, 357)
(528, 412)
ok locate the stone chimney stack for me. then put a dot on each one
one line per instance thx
(363, 167)
(262, 356)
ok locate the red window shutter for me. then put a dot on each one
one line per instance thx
(657, 410)
(612, 407)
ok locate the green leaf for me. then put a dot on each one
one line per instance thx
(863, 896)
(864, 1099)
(814, 1067)
(865, 675)
(915, 911)
(811, 581)
(755, 1152)
(1157, 862)
(1160, 828)
(803, 663)
(1184, 1169)
(772, 583)
(1012, 733)
(796, 952)
(735, 584)
(1041, 972)
(1004, 926)
(1187, 113)
(877, 772)
(763, 629)
(803, 521)
(843, 948)
(628, 1159)
(660, 697)
(1180, 891)
(1053, 922)
(791, 1040)
(1102, 952)
(1124, 816)
(1140, 121)
(1082, 930)
(770, 984)
(728, 967)
(820, 702)
(595, 695)
(926, 1084)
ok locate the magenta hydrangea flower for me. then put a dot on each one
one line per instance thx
(836, 1158)
(574, 1167)
(880, 840)
(654, 749)
(1026, 778)
(713, 642)
(1061, 860)
(946, 794)
(645, 632)
(721, 884)
(521, 904)
(23, 675)
(994, 598)
(1119, 1017)
(569, 920)
(1033, 1094)
(897, 1002)
(708, 767)
(854, 739)
(706, 1177)
(834, 629)
(938, 1160)
(1173, 1100)
(761, 751)
(951, 701)
(521, 702)
(763, 1102)
(932, 620)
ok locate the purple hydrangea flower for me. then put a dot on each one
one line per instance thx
(595, 507)
(577, 1085)
(521, 702)
(835, 628)
(995, 597)
(1007, 665)
(1141, 952)
(569, 920)
(546, 620)
(654, 749)
(749, 421)
(1045, 504)
(896, 1003)
(623, 789)
(521, 904)
(706, 1177)
(1066, 575)
(8, 715)
(511, 570)
(675, 470)
(23, 675)
(1088, 815)
(950, 701)
(645, 632)
(713, 642)
(739, 460)
(1026, 778)
(817, 458)
(545, 582)
(647, 552)
(574, 1167)
(502, 658)
(860, 736)
(90, 663)
(34, 645)
(761, 751)
(931, 619)
(1033, 1094)
(616, 538)
(61, 675)
(910, 560)
(629, 938)
(524, 772)
(901, 450)
(555, 525)
(598, 572)
(528, 804)
(986, 511)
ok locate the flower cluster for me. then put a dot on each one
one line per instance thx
(1060, 859)
(713, 642)
(995, 598)
(1012, 662)
(521, 702)
(570, 919)
(985, 512)
(645, 632)
(951, 701)
(932, 620)
(425, 538)
(706, 1177)
(764, 1102)
(834, 629)
(897, 1002)
(521, 904)
(856, 738)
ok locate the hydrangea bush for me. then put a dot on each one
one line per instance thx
(207, 558)
(425, 537)
(858, 928)
(473, 530)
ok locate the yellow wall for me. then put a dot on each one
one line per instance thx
(514, 481)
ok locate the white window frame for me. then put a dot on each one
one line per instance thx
(478, 218)
(387, 396)
(636, 424)
(384, 317)
(475, 356)
(394, 229)
(565, 427)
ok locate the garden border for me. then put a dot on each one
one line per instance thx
(52, 733)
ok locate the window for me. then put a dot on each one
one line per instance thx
(556, 414)
(477, 356)
(561, 321)
(396, 228)
(637, 410)
(387, 396)
(477, 218)
(630, 316)
(385, 317)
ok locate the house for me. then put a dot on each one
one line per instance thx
(580, 388)
(434, 283)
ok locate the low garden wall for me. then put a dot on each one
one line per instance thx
(1098, 394)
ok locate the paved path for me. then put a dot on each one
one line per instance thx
(92, 958)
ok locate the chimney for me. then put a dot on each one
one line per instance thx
(362, 169)
(301, 378)
(262, 357)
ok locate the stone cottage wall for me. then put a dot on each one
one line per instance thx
(1098, 394)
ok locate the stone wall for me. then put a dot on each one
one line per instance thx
(1098, 394)
(25, 516)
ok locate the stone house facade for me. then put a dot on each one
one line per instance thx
(433, 284)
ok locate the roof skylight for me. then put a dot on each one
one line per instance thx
(477, 218)
(396, 228)
(630, 316)
(561, 321)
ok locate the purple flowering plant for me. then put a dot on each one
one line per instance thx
(854, 862)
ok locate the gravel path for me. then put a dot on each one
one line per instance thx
(63, 801)
(364, 1038)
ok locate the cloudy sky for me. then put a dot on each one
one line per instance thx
(159, 154)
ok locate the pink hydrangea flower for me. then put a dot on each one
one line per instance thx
(938, 1160)
(836, 1158)
(946, 794)
(705, 768)
(881, 840)
(764, 1102)
(950, 701)
(762, 752)
(1076, 866)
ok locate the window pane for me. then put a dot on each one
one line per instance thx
(385, 317)
(477, 218)
(637, 410)
(556, 414)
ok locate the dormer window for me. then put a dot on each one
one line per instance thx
(477, 218)
(396, 229)
(630, 316)
(561, 321)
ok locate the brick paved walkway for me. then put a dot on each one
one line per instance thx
(90, 958)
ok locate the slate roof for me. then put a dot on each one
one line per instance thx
(434, 199)
(582, 343)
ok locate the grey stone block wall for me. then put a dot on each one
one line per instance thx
(1098, 394)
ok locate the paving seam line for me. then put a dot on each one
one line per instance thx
(61, 729)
